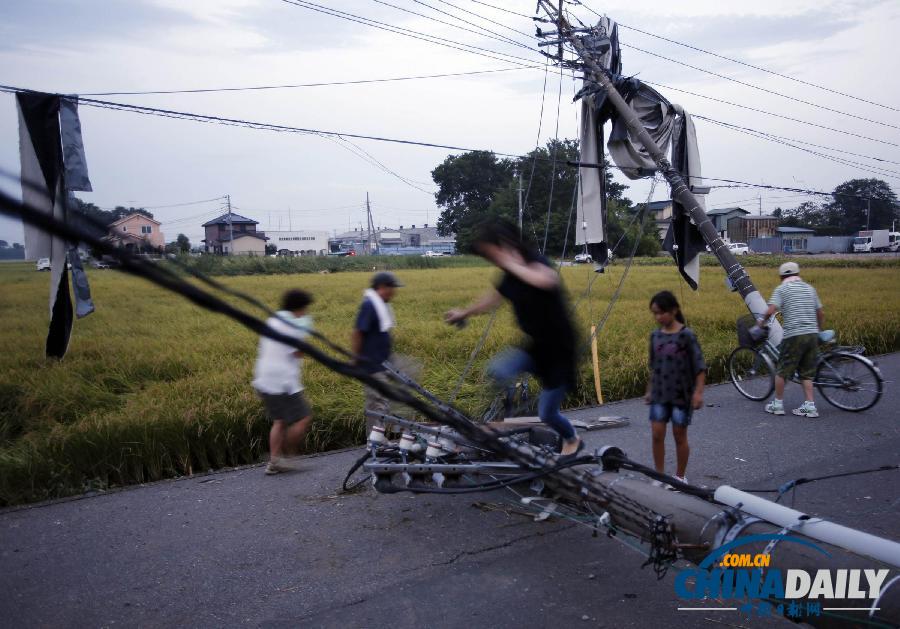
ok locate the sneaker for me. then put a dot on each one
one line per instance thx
(807, 409)
(276, 466)
(776, 407)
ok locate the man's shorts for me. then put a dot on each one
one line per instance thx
(287, 407)
(798, 354)
(680, 415)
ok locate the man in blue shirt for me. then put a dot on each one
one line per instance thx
(371, 339)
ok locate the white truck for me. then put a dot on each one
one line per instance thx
(871, 240)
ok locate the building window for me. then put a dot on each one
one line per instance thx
(146, 229)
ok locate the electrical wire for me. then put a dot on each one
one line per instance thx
(751, 85)
(750, 65)
(303, 85)
(237, 122)
(773, 114)
(399, 30)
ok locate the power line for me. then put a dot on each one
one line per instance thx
(167, 113)
(486, 19)
(493, 6)
(162, 207)
(399, 30)
(302, 85)
(761, 89)
(754, 67)
(781, 137)
(770, 113)
(874, 170)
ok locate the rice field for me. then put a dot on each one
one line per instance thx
(154, 387)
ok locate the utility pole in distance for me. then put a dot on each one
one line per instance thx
(520, 200)
(230, 225)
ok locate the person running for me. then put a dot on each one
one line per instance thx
(371, 338)
(802, 318)
(277, 380)
(533, 288)
(675, 385)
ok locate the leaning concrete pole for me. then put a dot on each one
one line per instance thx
(680, 190)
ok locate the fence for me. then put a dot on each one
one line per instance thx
(807, 244)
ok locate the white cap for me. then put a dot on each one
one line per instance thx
(789, 268)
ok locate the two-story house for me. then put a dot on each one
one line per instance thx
(233, 234)
(137, 233)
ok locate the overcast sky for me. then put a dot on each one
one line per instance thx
(308, 181)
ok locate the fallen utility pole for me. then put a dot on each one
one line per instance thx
(681, 191)
(700, 526)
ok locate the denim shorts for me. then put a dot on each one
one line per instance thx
(680, 415)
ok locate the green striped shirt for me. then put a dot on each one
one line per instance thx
(798, 302)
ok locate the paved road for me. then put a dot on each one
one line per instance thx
(238, 548)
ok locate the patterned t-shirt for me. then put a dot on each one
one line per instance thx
(798, 302)
(675, 361)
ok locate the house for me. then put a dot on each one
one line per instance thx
(720, 217)
(661, 212)
(233, 234)
(136, 233)
(744, 228)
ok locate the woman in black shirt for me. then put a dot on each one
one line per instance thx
(533, 288)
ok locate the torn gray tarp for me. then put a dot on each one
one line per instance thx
(657, 116)
(591, 203)
(77, 179)
(683, 240)
(84, 305)
(44, 188)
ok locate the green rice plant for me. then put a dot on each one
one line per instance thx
(154, 387)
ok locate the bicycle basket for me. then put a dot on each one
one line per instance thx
(749, 333)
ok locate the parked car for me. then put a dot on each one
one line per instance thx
(43, 264)
(739, 248)
(433, 254)
(583, 258)
(99, 264)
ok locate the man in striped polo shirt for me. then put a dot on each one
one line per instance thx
(802, 318)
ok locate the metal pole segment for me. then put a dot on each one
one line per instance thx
(681, 192)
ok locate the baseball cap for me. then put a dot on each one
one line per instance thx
(789, 268)
(385, 279)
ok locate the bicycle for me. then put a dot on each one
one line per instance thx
(844, 377)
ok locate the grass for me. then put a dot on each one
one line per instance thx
(154, 387)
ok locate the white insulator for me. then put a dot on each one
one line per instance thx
(407, 441)
(434, 450)
(448, 445)
(377, 437)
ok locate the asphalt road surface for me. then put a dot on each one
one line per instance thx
(238, 548)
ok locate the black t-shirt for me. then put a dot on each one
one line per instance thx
(376, 346)
(675, 361)
(543, 316)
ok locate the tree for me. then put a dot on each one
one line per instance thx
(476, 186)
(183, 243)
(852, 200)
(467, 184)
(271, 250)
(3, 244)
(18, 246)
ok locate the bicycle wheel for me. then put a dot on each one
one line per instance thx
(848, 381)
(752, 373)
